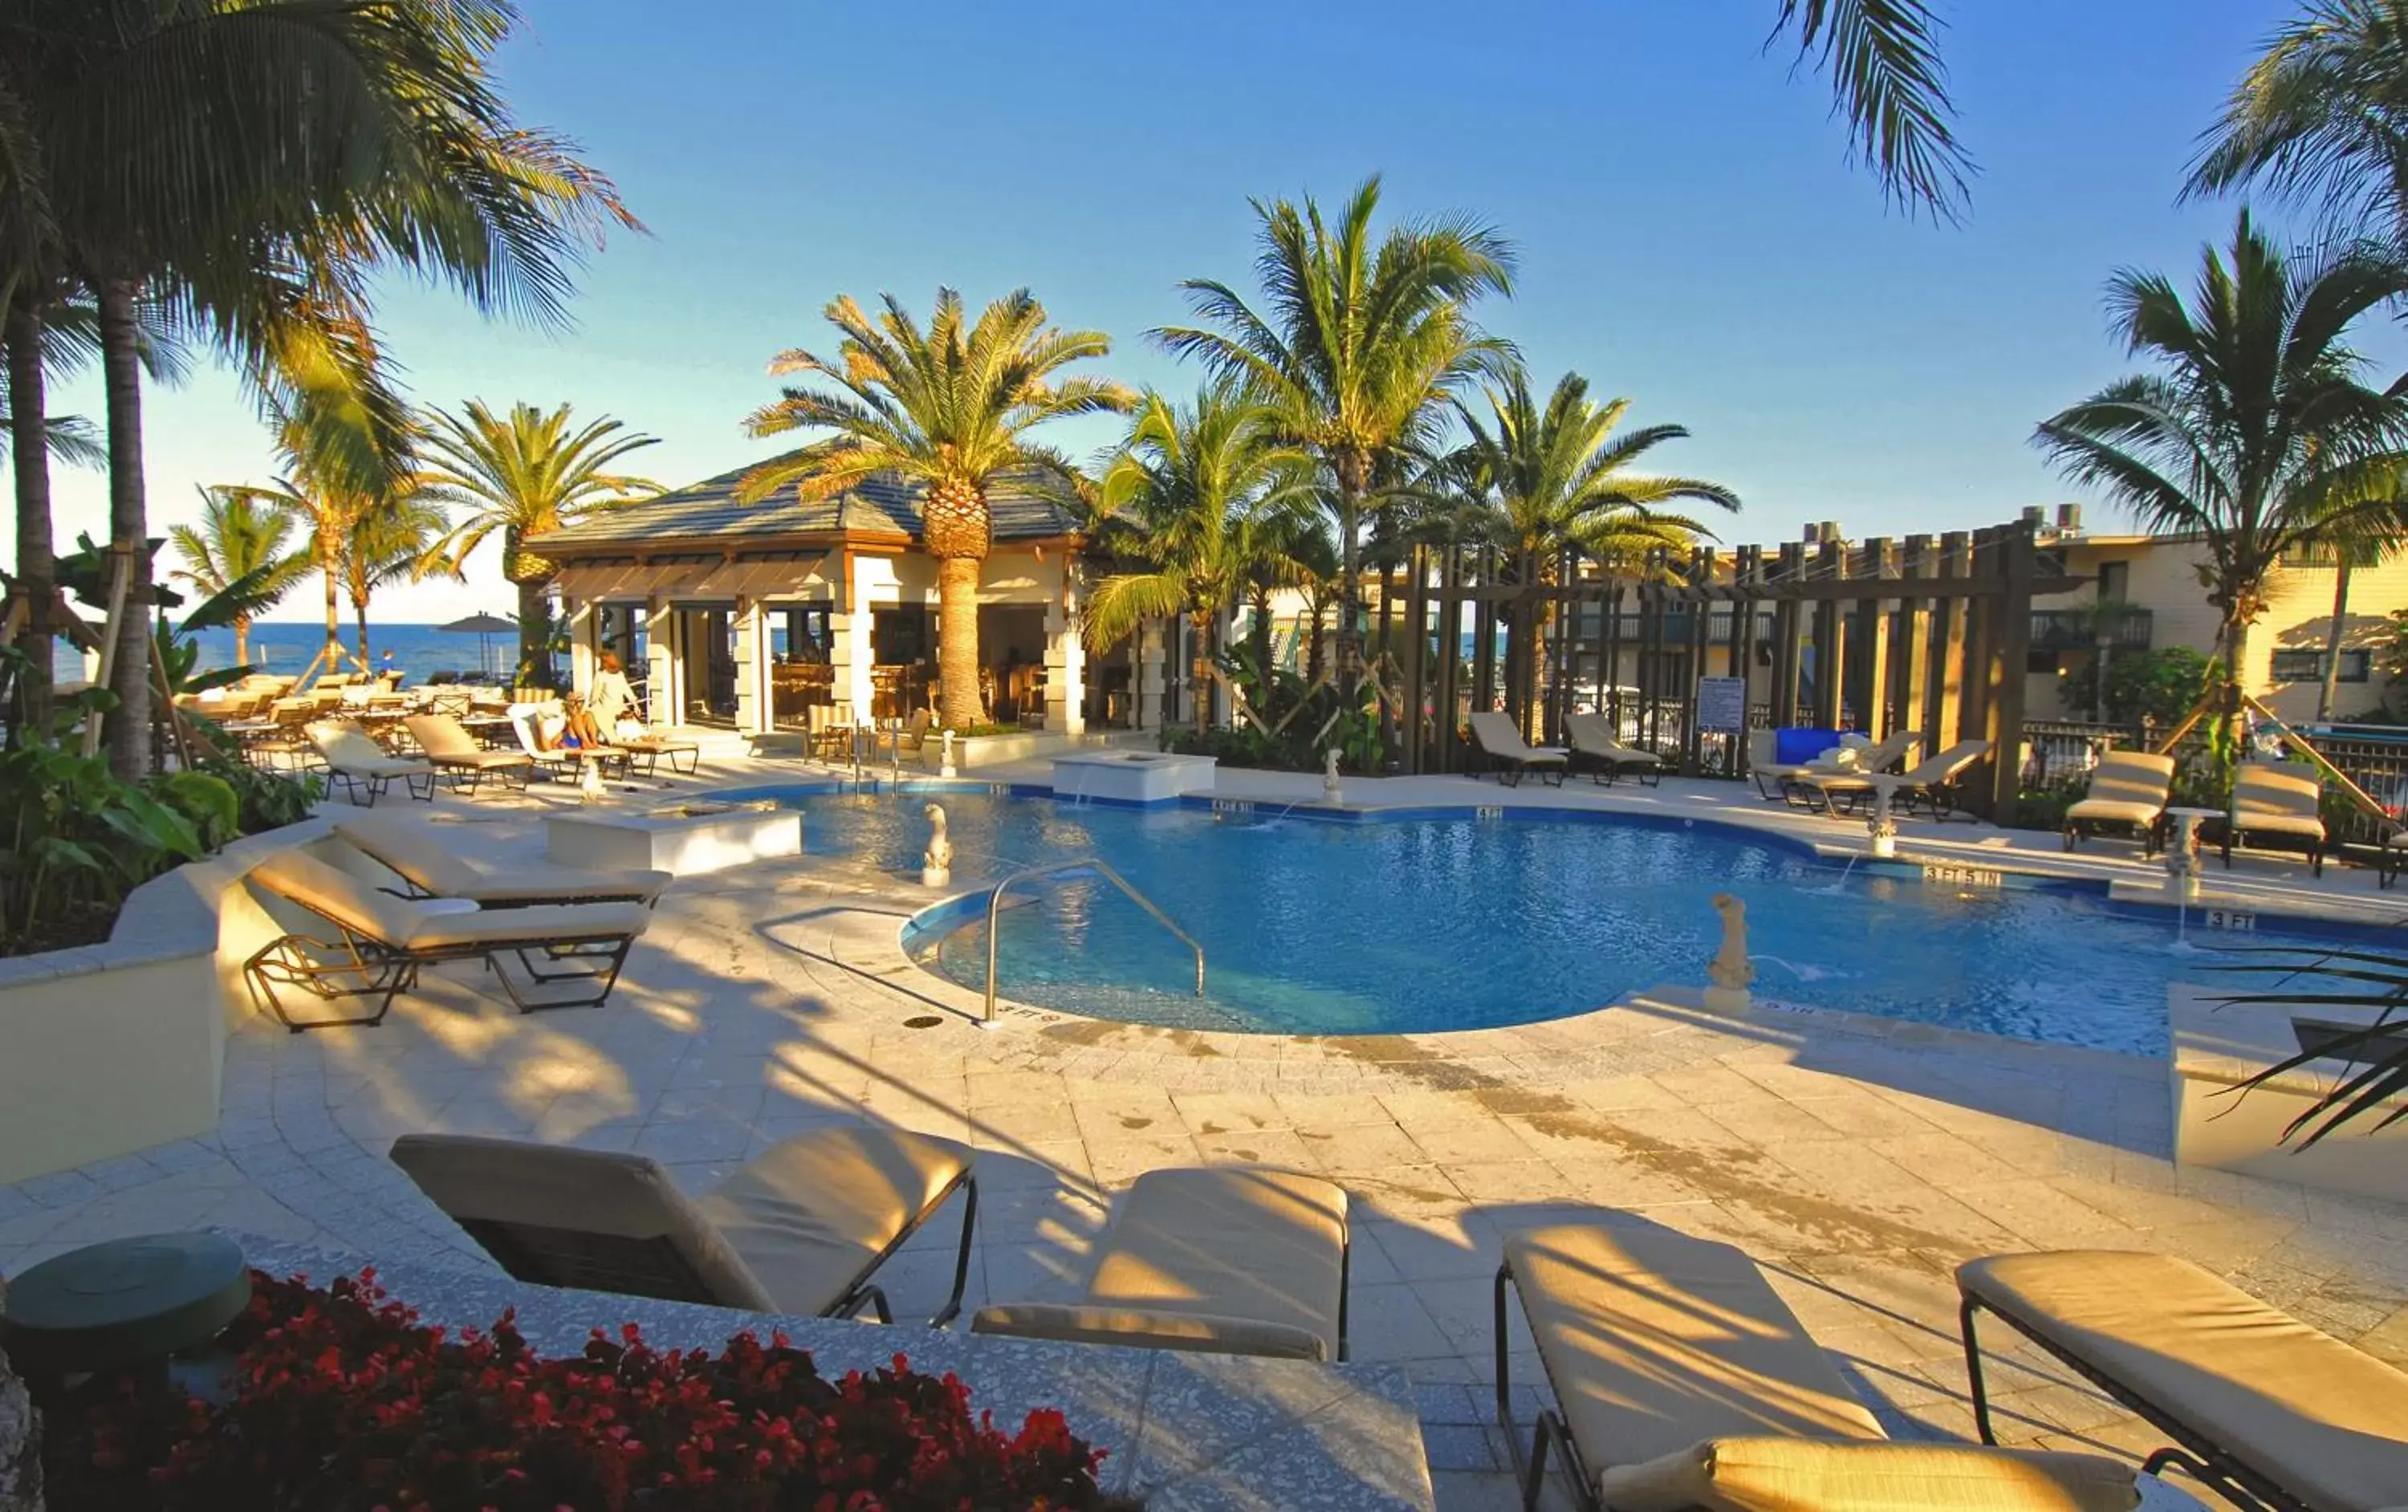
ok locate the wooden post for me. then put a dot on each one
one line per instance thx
(121, 569)
(1701, 579)
(1788, 623)
(1911, 644)
(1830, 652)
(1416, 658)
(1871, 637)
(1610, 677)
(1742, 633)
(1483, 639)
(1949, 623)
(2017, 554)
(1450, 657)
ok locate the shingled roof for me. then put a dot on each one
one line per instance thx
(884, 505)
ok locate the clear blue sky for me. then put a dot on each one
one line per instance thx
(1693, 233)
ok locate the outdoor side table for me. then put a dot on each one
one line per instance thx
(127, 1302)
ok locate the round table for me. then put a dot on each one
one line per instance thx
(2182, 856)
(1880, 826)
(127, 1302)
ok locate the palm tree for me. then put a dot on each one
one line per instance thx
(1545, 482)
(396, 541)
(1357, 347)
(2349, 551)
(949, 409)
(2257, 434)
(522, 475)
(1884, 62)
(2321, 118)
(241, 169)
(242, 533)
(1205, 493)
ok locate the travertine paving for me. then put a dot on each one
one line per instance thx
(1857, 1160)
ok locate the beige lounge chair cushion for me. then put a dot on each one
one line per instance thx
(413, 853)
(1075, 1323)
(1233, 1241)
(1653, 1340)
(347, 750)
(1589, 737)
(1806, 1475)
(2303, 1409)
(448, 743)
(2129, 787)
(2278, 798)
(812, 1213)
(1497, 737)
(408, 925)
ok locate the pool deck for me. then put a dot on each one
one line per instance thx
(1857, 1159)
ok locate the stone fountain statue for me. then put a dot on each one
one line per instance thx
(1729, 973)
(936, 861)
(1329, 788)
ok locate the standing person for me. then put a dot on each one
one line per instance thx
(613, 696)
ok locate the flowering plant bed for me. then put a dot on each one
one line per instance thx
(340, 1400)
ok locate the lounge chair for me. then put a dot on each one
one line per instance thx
(2265, 1409)
(1932, 782)
(1596, 751)
(362, 766)
(383, 942)
(555, 760)
(1224, 1260)
(2128, 789)
(1506, 751)
(800, 1228)
(456, 754)
(641, 744)
(1682, 1380)
(413, 854)
(2282, 799)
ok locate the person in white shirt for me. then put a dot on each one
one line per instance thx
(613, 697)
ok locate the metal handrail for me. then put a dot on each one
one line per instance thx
(995, 902)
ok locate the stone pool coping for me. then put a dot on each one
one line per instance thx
(1187, 1432)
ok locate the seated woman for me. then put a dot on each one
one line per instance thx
(578, 732)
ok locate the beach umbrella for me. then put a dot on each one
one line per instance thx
(484, 627)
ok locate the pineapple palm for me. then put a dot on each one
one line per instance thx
(394, 541)
(241, 532)
(520, 476)
(950, 409)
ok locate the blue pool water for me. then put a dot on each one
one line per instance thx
(1417, 925)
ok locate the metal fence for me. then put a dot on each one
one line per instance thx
(2064, 750)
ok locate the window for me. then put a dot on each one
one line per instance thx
(2313, 554)
(2307, 664)
(2114, 580)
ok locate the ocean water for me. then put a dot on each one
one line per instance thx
(419, 649)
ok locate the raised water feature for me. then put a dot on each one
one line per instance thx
(1132, 777)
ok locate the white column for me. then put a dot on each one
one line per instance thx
(850, 652)
(1147, 686)
(582, 622)
(752, 662)
(1066, 657)
(664, 683)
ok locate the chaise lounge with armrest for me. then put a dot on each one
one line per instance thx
(1777, 779)
(800, 1228)
(2265, 1409)
(561, 761)
(456, 754)
(642, 744)
(2128, 790)
(2282, 799)
(1605, 759)
(413, 854)
(1506, 752)
(1226, 1260)
(361, 766)
(1682, 1381)
(1932, 782)
(382, 942)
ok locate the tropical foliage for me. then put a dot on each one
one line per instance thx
(2257, 431)
(1883, 58)
(394, 543)
(2370, 1037)
(1204, 496)
(519, 475)
(1359, 342)
(2321, 118)
(950, 409)
(242, 535)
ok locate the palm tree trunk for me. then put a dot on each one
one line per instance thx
(2332, 642)
(36, 546)
(129, 526)
(243, 640)
(1312, 656)
(1199, 623)
(535, 634)
(959, 706)
(360, 610)
(330, 564)
(1261, 636)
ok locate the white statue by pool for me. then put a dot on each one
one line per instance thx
(1730, 972)
(936, 861)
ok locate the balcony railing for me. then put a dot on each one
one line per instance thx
(2079, 630)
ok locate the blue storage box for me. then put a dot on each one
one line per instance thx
(1796, 745)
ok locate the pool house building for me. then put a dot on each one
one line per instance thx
(786, 616)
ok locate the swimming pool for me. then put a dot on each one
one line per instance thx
(1409, 925)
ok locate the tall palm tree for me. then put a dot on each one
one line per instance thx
(396, 541)
(521, 475)
(952, 408)
(1882, 57)
(1546, 481)
(2257, 434)
(242, 533)
(241, 169)
(2321, 118)
(1357, 347)
(1206, 494)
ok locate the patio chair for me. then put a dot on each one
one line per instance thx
(1596, 751)
(383, 942)
(800, 1228)
(2265, 1409)
(639, 742)
(427, 870)
(457, 756)
(2281, 799)
(1682, 1380)
(362, 766)
(553, 760)
(2128, 789)
(1226, 1260)
(1931, 783)
(1506, 751)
